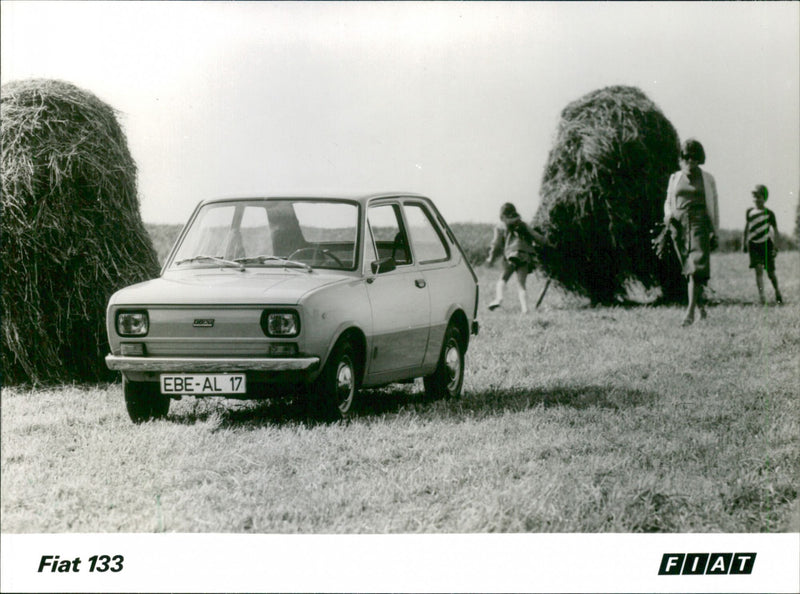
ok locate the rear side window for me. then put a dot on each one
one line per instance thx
(429, 246)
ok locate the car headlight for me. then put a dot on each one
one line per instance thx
(280, 323)
(132, 323)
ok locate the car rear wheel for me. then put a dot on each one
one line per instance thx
(143, 401)
(448, 379)
(336, 388)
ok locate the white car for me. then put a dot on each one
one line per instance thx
(318, 296)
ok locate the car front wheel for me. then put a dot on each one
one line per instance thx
(336, 388)
(448, 379)
(144, 401)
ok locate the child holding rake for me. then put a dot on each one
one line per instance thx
(514, 240)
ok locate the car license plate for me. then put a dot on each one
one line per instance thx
(215, 383)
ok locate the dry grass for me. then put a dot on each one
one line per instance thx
(574, 419)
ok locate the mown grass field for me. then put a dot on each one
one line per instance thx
(573, 419)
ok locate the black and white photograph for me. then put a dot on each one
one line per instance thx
(425, 296)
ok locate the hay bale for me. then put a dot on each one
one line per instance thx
(602, 194)
(71, 230)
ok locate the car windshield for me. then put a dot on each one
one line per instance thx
(291, 233)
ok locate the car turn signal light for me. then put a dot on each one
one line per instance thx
(132, 349)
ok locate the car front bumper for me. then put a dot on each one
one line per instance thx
(209, 364)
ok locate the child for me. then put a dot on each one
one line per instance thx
(759, 239)
(514, 240)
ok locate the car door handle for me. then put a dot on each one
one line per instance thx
(420, 282)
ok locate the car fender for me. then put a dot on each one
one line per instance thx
(332, 311)
(436, 338)
(350, 326)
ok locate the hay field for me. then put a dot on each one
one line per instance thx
(574, 419)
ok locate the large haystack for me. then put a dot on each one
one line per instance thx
(71, 230)
(602, 194)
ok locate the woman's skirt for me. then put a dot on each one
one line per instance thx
(691, 236)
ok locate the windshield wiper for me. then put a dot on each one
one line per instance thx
(270, 258)
(216, 259)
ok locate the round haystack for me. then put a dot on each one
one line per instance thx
(602, 195)
(71, 230)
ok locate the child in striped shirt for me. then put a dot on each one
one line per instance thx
(759, 240)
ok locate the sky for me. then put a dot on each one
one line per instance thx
(459, 101)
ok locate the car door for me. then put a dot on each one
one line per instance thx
(447, 283)
(399, 298)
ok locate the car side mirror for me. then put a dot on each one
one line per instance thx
(383, 265)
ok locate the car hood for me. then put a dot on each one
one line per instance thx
(206, 287)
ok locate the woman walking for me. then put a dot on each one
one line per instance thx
(514, 240)
(691, 212)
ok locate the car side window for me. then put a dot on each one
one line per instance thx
(429, 245)
(389, 234)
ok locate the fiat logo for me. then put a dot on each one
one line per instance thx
(207, 323)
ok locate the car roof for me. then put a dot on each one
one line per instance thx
(360, 198)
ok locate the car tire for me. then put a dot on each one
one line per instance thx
(336, 388)
(144, 402)
(448, 379)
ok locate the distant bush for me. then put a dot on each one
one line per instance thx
(163, 237)
(730, 240)
(797, 224)
(474, 239)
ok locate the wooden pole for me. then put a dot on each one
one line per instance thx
(541, 295)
